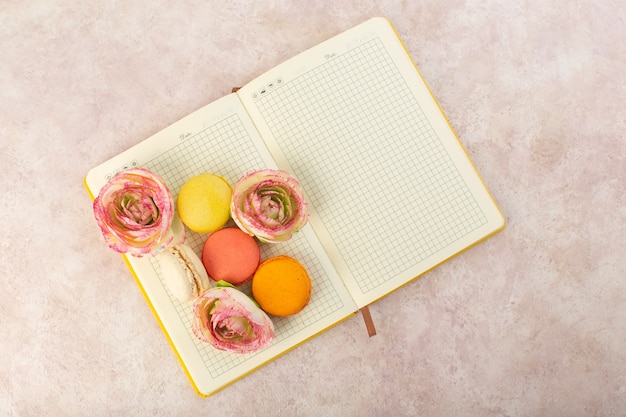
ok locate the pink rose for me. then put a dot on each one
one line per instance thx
(229, 320)
(134, 211)
(269, 204)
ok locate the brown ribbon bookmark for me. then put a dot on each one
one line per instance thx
(369, 323)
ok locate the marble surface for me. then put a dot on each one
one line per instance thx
(530, 323)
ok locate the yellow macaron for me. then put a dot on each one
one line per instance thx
(281, 286)
(203, 203)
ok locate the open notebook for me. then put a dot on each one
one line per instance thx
(392, 192)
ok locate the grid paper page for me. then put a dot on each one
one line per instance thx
(374, 169)
(197, 155)
(227, 148)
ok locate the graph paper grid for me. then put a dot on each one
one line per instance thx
(225, 148)
(373, 167)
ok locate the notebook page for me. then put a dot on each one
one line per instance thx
(219, 138)
(393, 192)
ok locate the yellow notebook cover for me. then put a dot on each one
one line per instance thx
(392, 191)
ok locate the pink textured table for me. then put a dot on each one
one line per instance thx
(529, 323)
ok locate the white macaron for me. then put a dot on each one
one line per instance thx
(183, 272)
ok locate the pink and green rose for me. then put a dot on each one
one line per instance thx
(229, 320)
(269, 204)
(135, 211)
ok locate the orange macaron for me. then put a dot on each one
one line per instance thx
(231, 255)
(281, 286)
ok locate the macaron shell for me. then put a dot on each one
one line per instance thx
(183, 272)
(281, 286)
(231, 255)
(203, 203)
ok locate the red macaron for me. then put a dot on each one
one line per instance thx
(231, 255)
